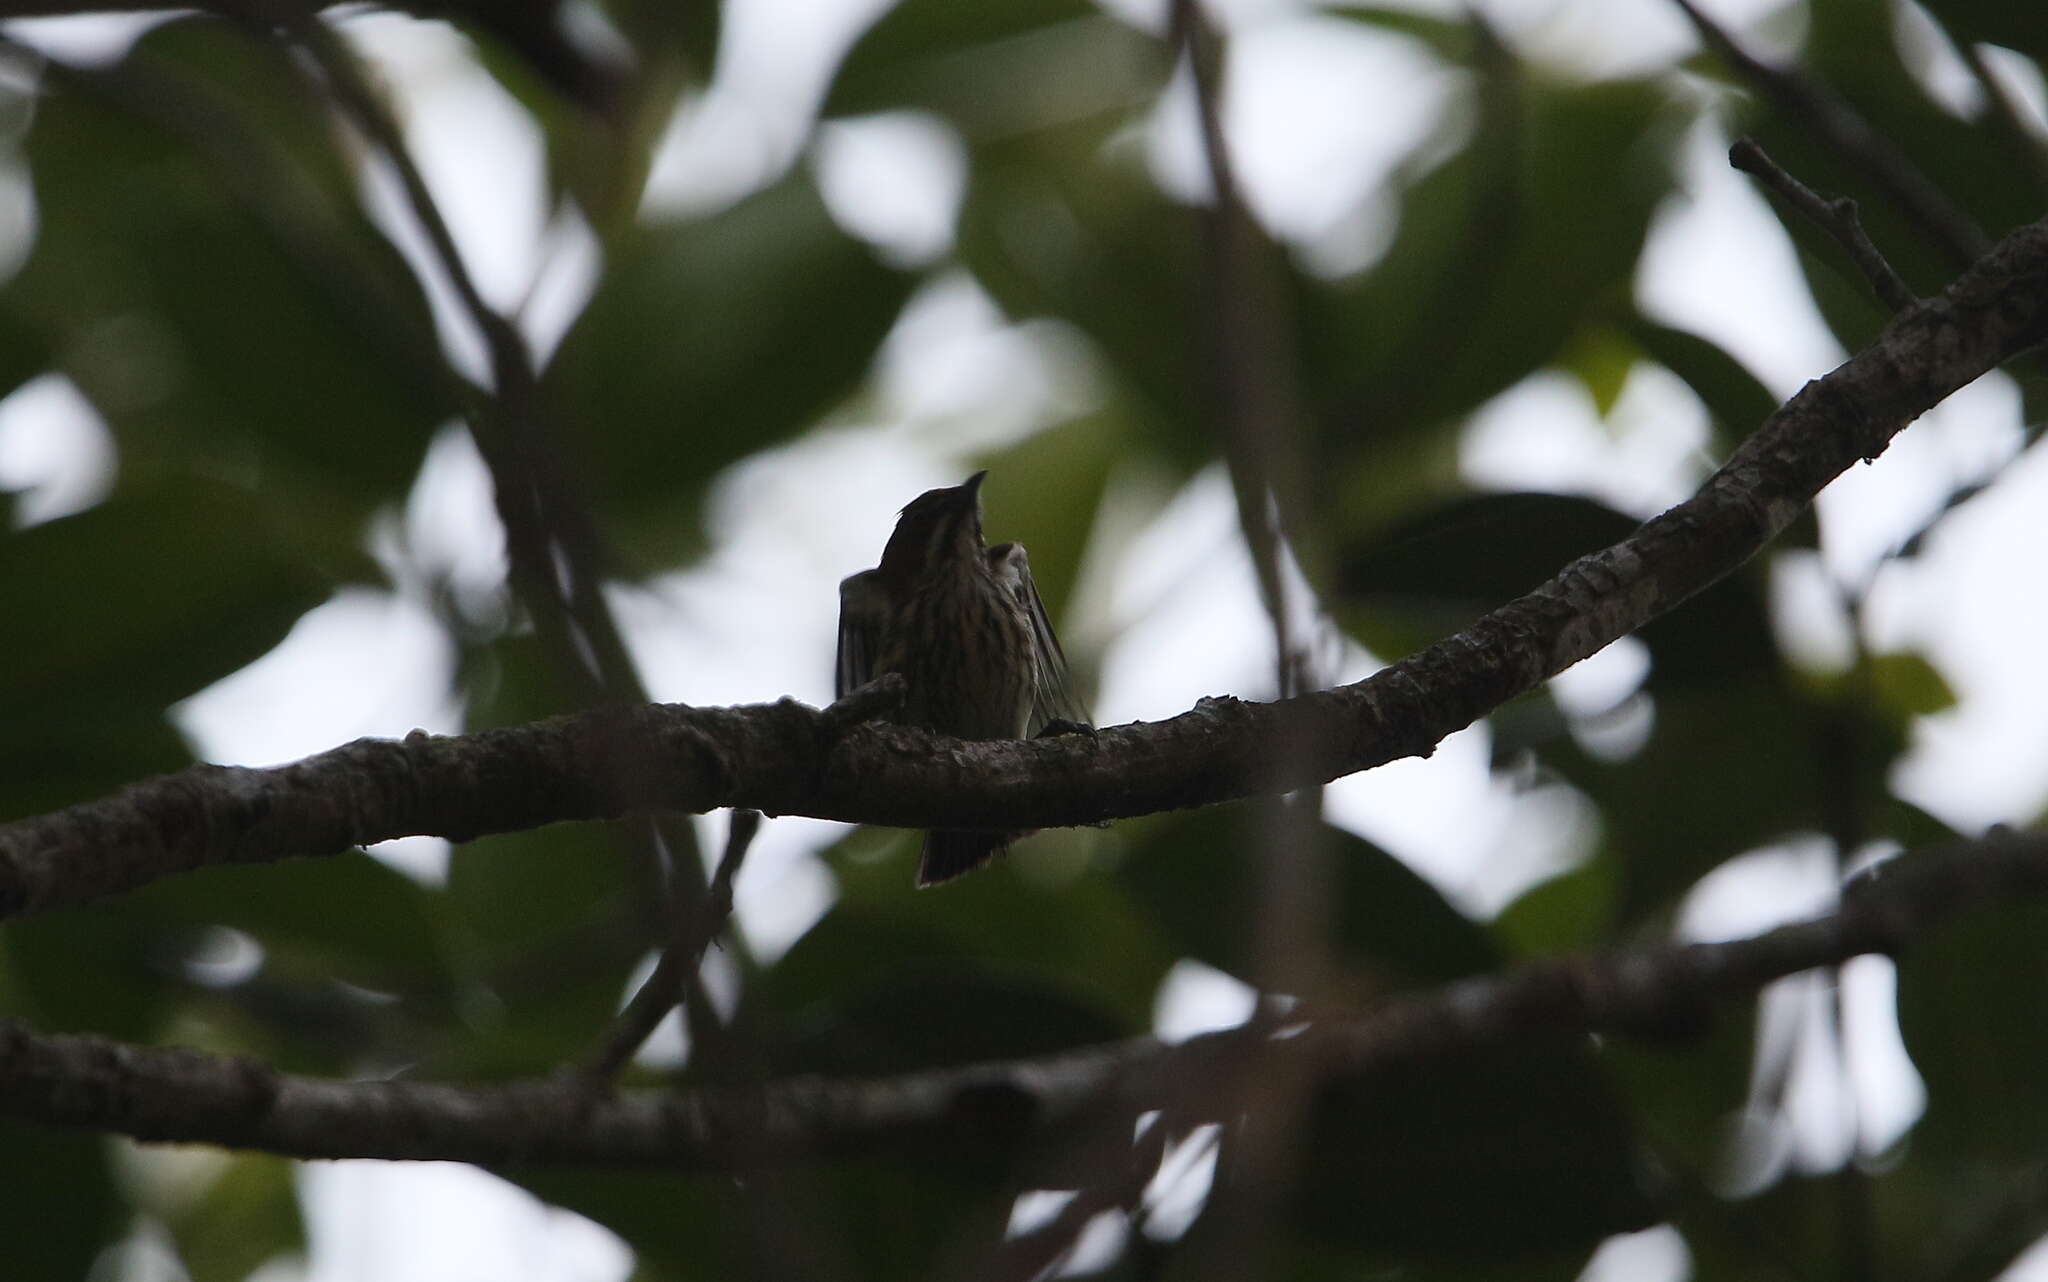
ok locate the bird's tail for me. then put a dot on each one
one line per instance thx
(950, 852)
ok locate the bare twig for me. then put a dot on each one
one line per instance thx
(1837, 217)
(694, 931)
(553, 545)
(1258, 408)
(1851, 137)
(1259, 420)
(173, 1095)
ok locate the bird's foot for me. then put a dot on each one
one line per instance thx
(867, 702)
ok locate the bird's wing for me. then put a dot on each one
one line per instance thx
(863, 614)
(1053, 699)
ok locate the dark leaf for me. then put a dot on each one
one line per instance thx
(996, 70)
(348, 917)
(1499, 1151)
(207, 278)
(1974, 1012)
(1196, 875)
(1504, 252)
(708, 340)
(63, 1207)
(1433, 572)
(1734, 397)
(1062, 223)
(162, 593)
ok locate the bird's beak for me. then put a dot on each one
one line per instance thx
(973, 483)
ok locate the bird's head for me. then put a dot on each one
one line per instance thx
(935, 528)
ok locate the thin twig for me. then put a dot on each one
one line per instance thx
(548, 530)
(1259, 413)
(552, 543)
(693, 933)
(1837, 217)
(1851, 137)
(1259, 408)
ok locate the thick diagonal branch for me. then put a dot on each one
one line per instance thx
(785, 758)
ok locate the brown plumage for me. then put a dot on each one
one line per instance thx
(964, 626)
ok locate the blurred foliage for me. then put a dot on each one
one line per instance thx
(201, 267)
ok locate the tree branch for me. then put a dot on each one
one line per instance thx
(185, 1096)
(1257, 407)
(1838, 218)
(785, 758)
(696, 924)
(1851, 137)
(555, 554)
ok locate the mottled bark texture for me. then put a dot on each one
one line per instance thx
(785, 758)
(186, 1096)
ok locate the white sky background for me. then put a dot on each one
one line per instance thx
(1311, 99)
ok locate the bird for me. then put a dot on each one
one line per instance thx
(964, 626)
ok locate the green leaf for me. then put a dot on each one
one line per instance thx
(90, 970)
(1734, 397)
(145, 599)
(1196, 875)
(1688, 1088)
(1038, 914)
(707, 341)
(514, 892)
(681, 1228)
(926, 1012)
(1910, 683)
(688, 32)
(1508, 1150)
(62, 1208)
(206, 274)
(25, 352)
(1066, 223)
(248, 1216)
(1666, 815)
(1570, 913)
(347, 917)
(1046, 493)
(1505, 251)
(1602, 362)
(897, 981)
(996, 70)
(1974, 1015)
(1433, 571)
(2020, 27)
(549, 923)
(77, 753)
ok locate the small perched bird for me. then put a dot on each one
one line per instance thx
(964, 626)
